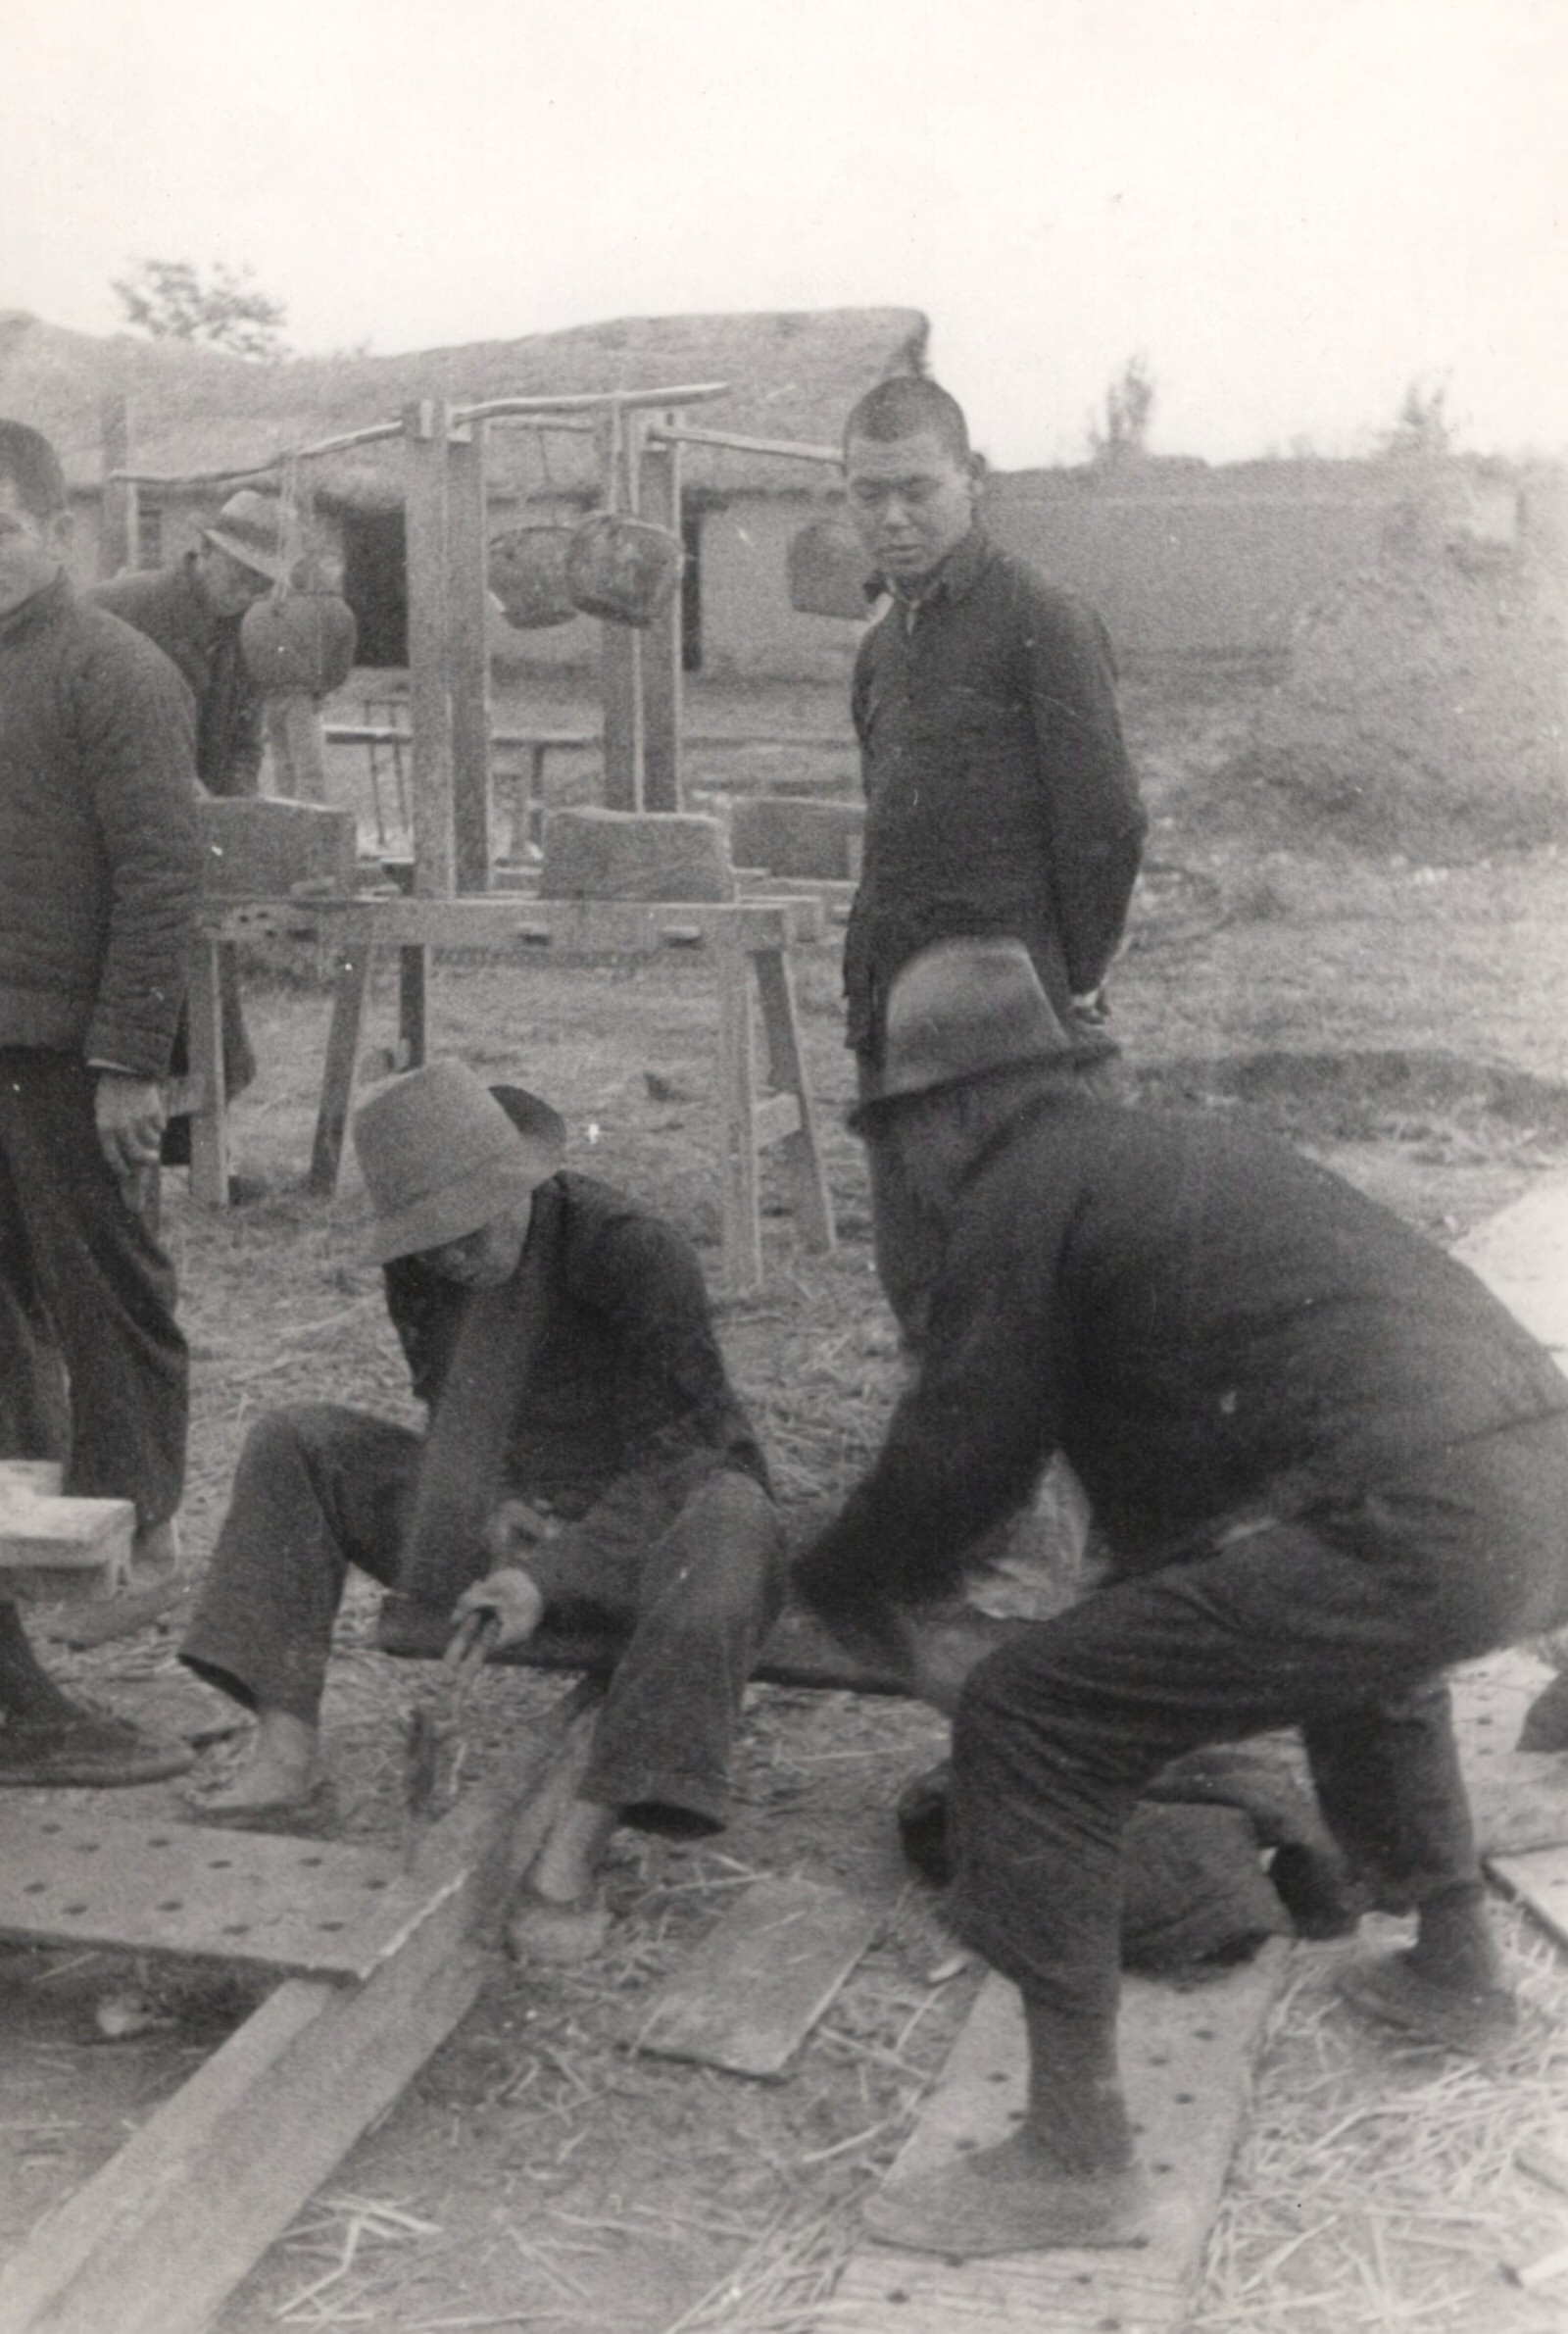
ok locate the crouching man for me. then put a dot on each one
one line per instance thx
(1327, 1464)
(584, 1449)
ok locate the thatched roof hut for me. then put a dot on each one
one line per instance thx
(790, 375)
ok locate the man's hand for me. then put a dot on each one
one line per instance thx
(130, 1118)
(513, 1596)
(515, 1526)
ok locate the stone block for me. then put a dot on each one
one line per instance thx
(789, 835)
(261, 846)
(631, 855)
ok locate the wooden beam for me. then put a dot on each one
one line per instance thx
(155, 2241)
(468, 659)
(429, 687)
(349, 981)
(591, 401)
(663, 680)
(564, 928)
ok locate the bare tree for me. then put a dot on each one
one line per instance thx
(224, 307)
(1129, 408)
(1425, 425)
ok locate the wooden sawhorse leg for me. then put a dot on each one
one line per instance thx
(350, 982)
(750, 1124)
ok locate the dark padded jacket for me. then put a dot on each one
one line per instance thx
(100, 862)
(166, 604)
(1209, 1325)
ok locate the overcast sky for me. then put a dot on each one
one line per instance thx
(1294, 208)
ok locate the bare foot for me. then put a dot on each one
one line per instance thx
(563, 1933)
(1011, 2199)
(282, 1776)
(1476, 2020)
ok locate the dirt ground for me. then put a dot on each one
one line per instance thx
(1402, 1021)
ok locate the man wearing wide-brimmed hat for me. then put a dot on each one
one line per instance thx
(1326, 1464)
(584, 1450)
(193, 611)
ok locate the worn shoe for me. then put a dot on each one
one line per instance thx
(1458, 2019)
(87, 1749)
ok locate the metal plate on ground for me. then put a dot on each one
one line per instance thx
(80, 1873)
(1186, 2054)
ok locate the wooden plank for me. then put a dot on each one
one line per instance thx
(350, 982)
(209, 1125)
(89, 1871)
(749, 1995)
(1539, 1878)
(468, 660)
(426, 425)
(1186, 2059)
(774, 1118)
(662, 679)
(1522, 1255)
(159, 2236)
(595, 927)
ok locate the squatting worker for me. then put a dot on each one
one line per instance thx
(584, 1450)
(193, 611)
(100, 863)
(1000, 799)
(1327, 1463)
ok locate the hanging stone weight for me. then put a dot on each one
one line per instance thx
(302, 642)
(827, 570)
(625, 571)
(527, 569)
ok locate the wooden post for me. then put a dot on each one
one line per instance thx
(294, 733)
(621, 649)
(350, 981)
(468, 656)
(660, 482)
(413, 981)
(740, 1223)
(117, 537)
(425, 427)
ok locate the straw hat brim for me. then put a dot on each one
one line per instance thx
(462, 1206)
(879, 1110)
(249, 555)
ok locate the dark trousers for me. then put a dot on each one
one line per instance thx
(687, 1557)
(1340, 1624)
(94, 1366)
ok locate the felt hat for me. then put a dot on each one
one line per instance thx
(442, 1156)
(250, 528)
(961, 1009)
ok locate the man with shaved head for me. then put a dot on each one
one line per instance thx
(999, 800)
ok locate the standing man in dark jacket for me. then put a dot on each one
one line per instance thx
(1327, 1464)
(585, 1449)
(998, 795)
(193, 612)
(99, 867)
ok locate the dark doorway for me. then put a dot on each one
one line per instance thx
(691, 594)
(375, 584)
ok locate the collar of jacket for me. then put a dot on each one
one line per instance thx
(952, 580)
(41, 608)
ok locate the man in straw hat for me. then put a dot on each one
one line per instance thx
(584, 1449)
(1327, 1463)
(193, 612)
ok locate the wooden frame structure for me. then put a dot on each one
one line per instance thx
(639, 437)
